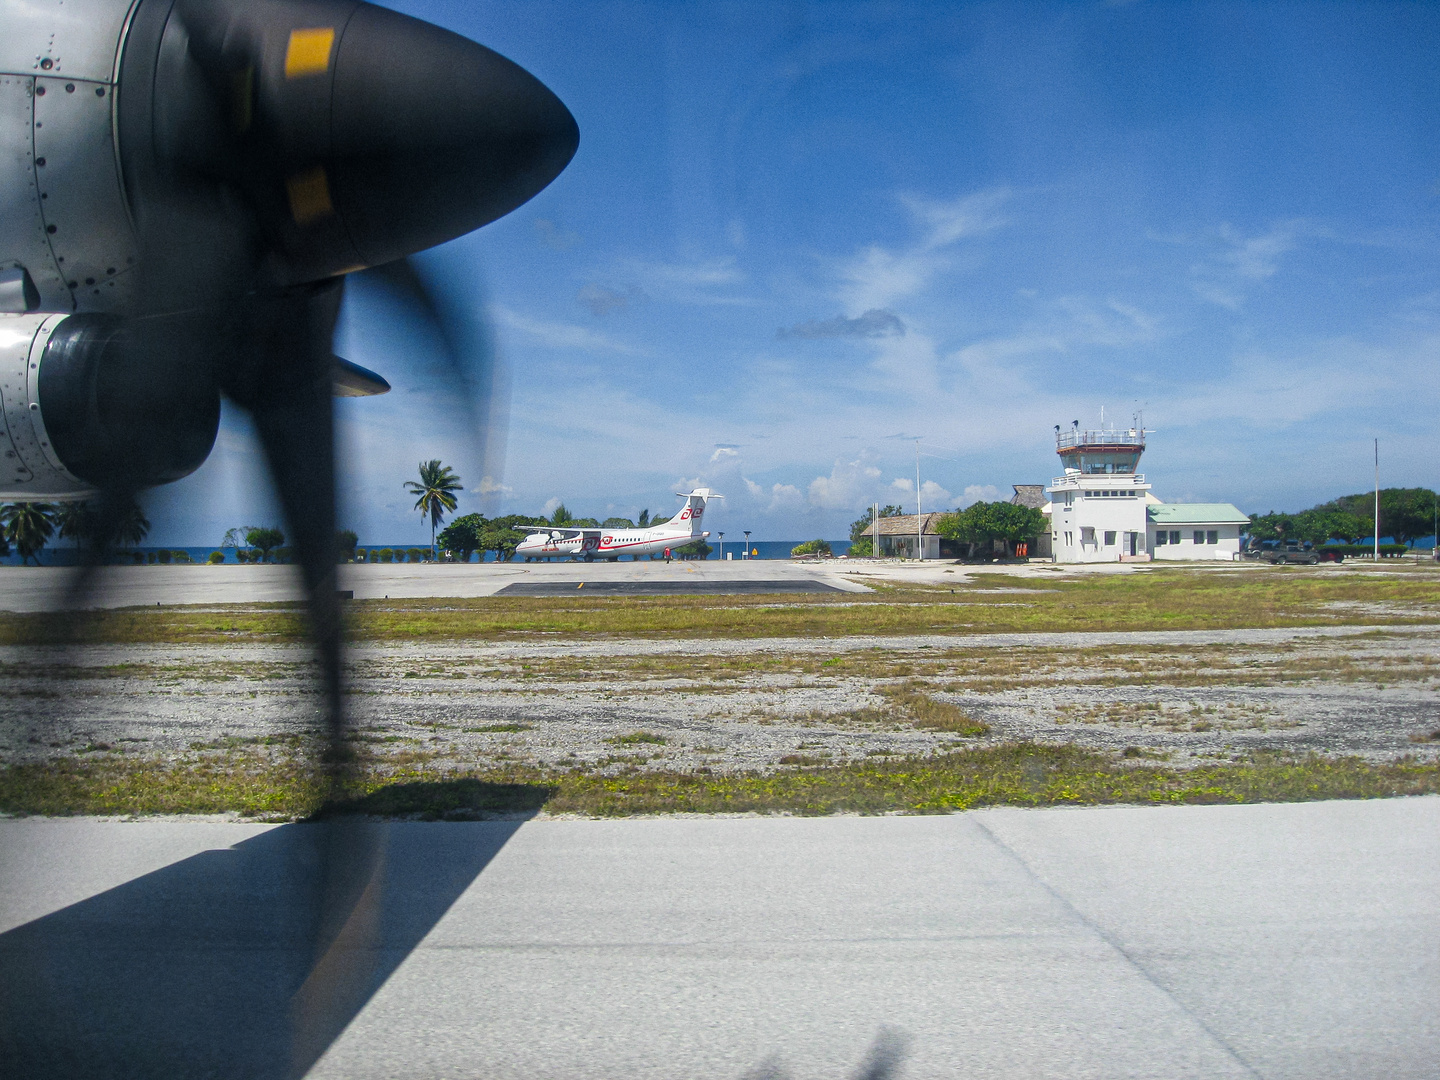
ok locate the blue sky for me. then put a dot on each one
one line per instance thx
(797, 235)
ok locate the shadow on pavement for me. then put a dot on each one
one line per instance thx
(244, 962)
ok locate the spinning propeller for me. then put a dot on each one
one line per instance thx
(270, 148)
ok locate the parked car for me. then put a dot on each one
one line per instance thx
(1284, 551)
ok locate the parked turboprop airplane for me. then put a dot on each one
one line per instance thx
(559, 542)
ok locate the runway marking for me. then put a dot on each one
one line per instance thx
(1113, 941)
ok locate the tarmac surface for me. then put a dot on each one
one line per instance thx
(723, 586)
(1277, 941)
(48, 588)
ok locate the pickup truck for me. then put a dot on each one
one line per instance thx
(1284, 551)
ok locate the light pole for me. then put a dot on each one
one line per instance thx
(919, 518)
(722, 547)
(746, 553)
(1377, 500)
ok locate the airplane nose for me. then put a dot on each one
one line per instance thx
(433, 135)
(360, 135)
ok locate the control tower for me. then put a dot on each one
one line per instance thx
(1092, 452)
(1097, 508)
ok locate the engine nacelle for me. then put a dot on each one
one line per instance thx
(84, 404)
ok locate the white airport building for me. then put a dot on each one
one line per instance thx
(1102, 509)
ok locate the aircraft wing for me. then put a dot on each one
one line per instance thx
(563, 530)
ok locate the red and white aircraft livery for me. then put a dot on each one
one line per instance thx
(559, 542)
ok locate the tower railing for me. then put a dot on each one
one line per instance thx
(1083, 440)
(1072, 480)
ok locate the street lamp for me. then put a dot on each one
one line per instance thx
(746, 553)
(722, 547)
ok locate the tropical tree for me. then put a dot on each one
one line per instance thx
(28, 526)
(74, 522)
(561, 516)
(811, 547)
(617, 523)
(644, 520)
(502, 535)
(436, 489)
(1406, 514)
(862, 528)
(264, 540)
(129, 526)
(462, 536)
(983, 523)
(696, 549)
(345, 543)
(90, 526)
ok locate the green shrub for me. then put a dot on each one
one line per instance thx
(862, 548)
(150, 557)
(1357, 551)
(163, 557)
(413, 554)
(387, 554)
(216, 558)
(811, 547)
(181, 556)
(139, 557)
(374, 555)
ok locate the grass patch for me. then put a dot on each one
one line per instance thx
(931, 714)
(1159, 599)
(1016, 774)
(499, 728)
(635, 738)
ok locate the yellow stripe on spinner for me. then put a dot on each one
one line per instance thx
(309, 196)
(309, 52)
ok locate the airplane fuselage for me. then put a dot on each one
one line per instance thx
(589, 544)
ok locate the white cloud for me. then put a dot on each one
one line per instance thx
(723, 452)
(551, 505)
(490, 486)
(1258, 257)
(877, 277)
(785, 498)
(934, 497)
(560, 335)
(979, 493)
(968, 215)
(849, 486)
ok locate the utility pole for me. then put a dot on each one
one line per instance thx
(875, 528)
(746, 553)
(722, 547)
(919, 517)
(1377, 500)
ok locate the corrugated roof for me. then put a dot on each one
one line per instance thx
(905, 525)
(1196, 514)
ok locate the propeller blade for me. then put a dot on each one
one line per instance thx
(283, 378)
(467, 366)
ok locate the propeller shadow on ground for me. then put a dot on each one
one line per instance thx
(243, 962)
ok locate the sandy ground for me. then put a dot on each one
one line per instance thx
(720, 705)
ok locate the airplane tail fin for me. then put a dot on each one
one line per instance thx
(693, 513)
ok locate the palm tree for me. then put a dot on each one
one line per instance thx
(129, 526)
(28, 525)
(561, 516)
(437, 482)
(76, 521)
